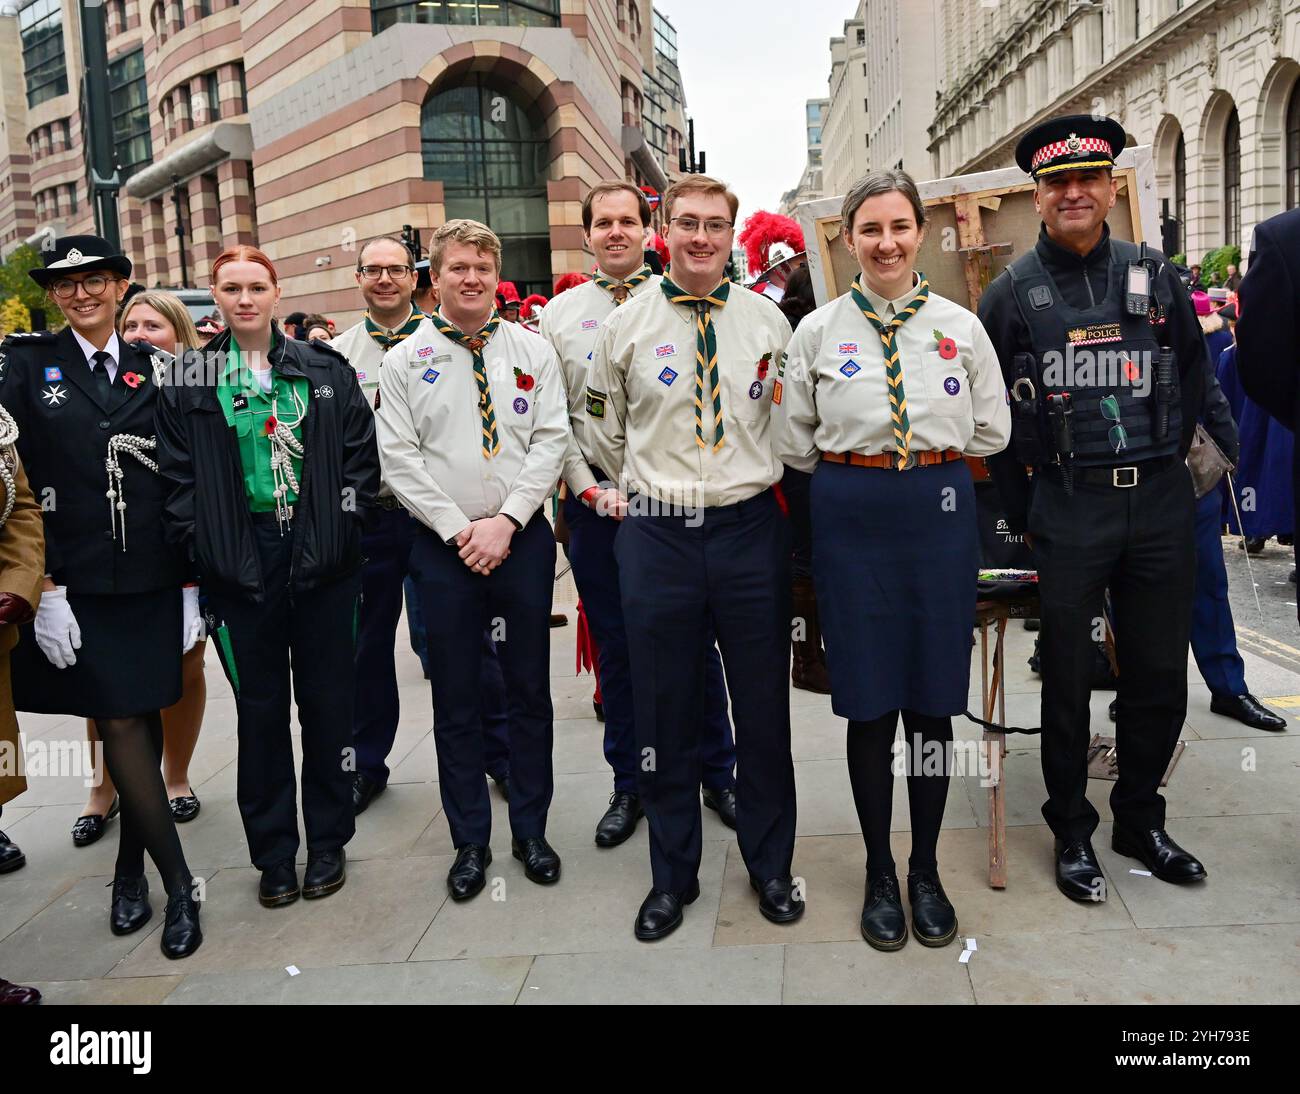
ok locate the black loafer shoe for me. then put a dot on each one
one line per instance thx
(279, 885)
(11, 856)
(599, 709)
(185, 808)
(934, 921)
(468, 874)
(181, 934)
(1247, 710)
(130, 910)
(722, 802)
(364, 791)
(661, 913)
(1078, 873)
(16, 995)
(777, 899)
(88, 829)
(884, 926)
(541, 863)
(620, 819)
(326, 872)
(1161, 855)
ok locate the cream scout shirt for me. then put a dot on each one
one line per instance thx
(834, 396)
(640, 400)
(430, 430)
(571, 322)
(364, 354)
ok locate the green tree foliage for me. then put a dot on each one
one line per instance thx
(16, 285)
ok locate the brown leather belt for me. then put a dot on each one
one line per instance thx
(890, 459)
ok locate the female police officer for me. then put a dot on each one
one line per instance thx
(891, 378)
(113, 620)
(270, 451)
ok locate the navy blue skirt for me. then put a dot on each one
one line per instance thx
(895, 561)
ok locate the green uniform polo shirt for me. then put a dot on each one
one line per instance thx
(247, 408)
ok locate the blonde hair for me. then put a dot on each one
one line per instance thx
(699, 184)
(171, 309)
(479, 236)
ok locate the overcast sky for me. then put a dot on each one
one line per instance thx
(747, 67)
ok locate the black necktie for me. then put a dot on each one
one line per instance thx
(99, 370)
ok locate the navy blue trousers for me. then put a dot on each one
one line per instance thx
(595, 572)
(496, 722)
(1214, 639)
(458, 606)
(729, 573)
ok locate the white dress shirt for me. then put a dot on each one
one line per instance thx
(643, 386)
(113, 349)
(834, 394)
(430, 429)
(364, 354)
(571, 323)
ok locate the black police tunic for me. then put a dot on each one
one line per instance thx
(125, 596)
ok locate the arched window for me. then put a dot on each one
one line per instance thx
(1232, 180)
(1180, 191)
(1293, 148)
(491, 157)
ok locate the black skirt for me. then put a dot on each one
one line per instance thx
(895, 560)
(129, 662)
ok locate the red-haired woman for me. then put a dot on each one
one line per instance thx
(270, 452)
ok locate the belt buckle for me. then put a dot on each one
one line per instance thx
(1115, 477)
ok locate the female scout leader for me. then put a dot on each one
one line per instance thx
(272, 463)
(884, 390)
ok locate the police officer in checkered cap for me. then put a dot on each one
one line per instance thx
(1105, 364)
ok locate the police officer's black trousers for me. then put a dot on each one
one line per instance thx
(513, 603)
(1138, 542)
(312, 634)
(727, 566)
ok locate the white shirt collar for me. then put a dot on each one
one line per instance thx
(880, 305)
(113, 349)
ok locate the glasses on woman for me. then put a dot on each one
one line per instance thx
(690, 225)
(65, 288)
(374, 273)
(1110, 411)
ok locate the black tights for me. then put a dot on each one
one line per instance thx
(871, 754)
(132, 753)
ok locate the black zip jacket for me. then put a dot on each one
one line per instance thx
(207, 511)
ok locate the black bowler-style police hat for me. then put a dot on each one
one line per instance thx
(1075, 142)
(77, 254)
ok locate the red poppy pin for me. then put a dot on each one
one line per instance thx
(132, 379)
(523, 381)
(763, 363)
(271, 423)
(947, 347)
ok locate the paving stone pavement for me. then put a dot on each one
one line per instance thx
(390, 935)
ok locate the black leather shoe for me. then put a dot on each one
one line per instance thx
(1247, 710)
(11, 857)
(661, 913)
(181, 934)
(326, 872)
(88, 829)
(620, 819)
(364, 791)
(1111, 710)
(884, 926)
(16, 995)
(777, 899)
(1078, 874)
(1161, 855)
(130, 910)
(185, 808)
(541, 863)
(502, 780)
(722, 802)
(468, 874)
(599, 709)
(279, 885)
(934, 920)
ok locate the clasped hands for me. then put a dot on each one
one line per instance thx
(485, 543)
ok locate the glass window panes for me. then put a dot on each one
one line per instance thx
(1232, 180)
(212, 89)
(491, 159)
(41, 26)
(481, 13)
(130, 106)
(1293, 148)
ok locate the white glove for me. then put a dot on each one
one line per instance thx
(57, 631)
(191, 618)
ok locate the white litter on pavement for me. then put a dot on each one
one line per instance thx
(292, 970)
(964, 957)
(1141, 873)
